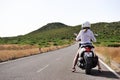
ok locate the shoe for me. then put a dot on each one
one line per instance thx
(73, 69)
(99, 69)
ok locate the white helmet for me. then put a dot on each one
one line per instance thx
(86, 24)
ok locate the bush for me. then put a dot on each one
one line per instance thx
(113, 45)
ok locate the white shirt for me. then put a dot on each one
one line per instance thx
(86, 37)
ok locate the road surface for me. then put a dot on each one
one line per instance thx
(54, 65)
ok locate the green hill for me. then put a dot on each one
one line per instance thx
(50, 26)
(109, 33)
(59, 34)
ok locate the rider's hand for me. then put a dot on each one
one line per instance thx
(75, 34)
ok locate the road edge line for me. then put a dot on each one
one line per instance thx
(110, 69)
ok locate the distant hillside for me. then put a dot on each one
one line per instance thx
(53, 26)
(59, 34)
(50, 26)
(109, 33)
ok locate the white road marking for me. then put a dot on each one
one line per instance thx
(109, 68)
(42, 68)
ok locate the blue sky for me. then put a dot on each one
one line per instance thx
(19, 17)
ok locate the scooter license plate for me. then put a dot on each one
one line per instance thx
(88, 54)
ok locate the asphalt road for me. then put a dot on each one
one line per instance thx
(54, 65)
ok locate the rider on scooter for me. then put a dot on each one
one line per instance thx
(85, 36)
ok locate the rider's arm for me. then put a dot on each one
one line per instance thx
(93, 37)
(78, 38)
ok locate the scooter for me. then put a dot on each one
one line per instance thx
(88, 59)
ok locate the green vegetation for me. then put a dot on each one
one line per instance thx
(109, 34)
(60, 34)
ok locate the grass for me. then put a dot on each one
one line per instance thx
(14, 54)
(13, 51)
(110, 53)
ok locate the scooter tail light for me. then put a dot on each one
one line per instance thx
(88, 49)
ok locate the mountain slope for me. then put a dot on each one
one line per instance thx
(50, 26)
(59, 34)
(109, 33)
